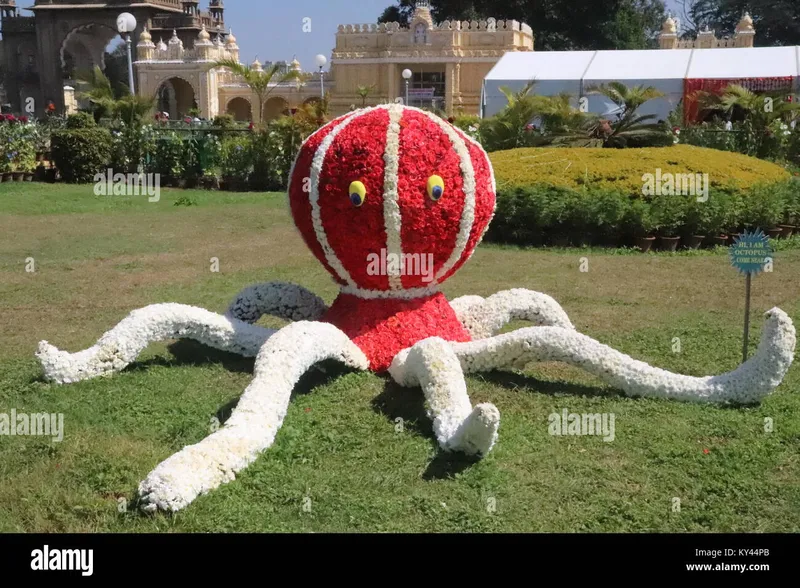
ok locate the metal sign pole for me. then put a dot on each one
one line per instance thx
(748, 282)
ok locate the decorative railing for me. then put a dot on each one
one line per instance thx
(19, 24)
(489, 25)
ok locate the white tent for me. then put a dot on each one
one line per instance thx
(665, 69)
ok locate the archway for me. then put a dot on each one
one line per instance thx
(275, 107)
(85, 47)
(240, 109)
(176, 97)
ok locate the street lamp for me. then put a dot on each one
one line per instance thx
(321, 61)
(126, 24)
(407, 76)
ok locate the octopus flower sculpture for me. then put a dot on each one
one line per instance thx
(392, 201)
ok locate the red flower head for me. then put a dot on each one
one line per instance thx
(23, 119)
(392, 200)
(427, 189)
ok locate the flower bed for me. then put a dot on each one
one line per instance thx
(622, 169)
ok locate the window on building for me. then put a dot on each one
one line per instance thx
(427, 89)
(420, 34)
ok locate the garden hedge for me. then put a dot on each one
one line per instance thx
(622, 169)
(81, 153)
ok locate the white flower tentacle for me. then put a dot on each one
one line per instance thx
(280, 299)
(200, 468)
(160, 322)
(432, 365)
(485, 317)
(749, 383)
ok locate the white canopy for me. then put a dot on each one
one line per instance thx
(665, 69)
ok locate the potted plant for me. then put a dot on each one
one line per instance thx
(696, 222)
(716, 220)
(639, 221)
(791, 215)
(763, 209)
(668, 212)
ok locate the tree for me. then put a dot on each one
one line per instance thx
(558, 24)
(260, 82)
(628, 101)
(364, 92)
(120, 104)
(777, 22)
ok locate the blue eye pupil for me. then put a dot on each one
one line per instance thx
(355, 198)
(437, 192)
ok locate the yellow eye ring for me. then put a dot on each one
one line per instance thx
(358, 193)
(435, 188)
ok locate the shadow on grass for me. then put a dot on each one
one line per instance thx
(514, 381)
(408, 404)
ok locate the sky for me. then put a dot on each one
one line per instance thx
(273, 31)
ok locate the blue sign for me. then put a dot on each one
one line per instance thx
(750, 252)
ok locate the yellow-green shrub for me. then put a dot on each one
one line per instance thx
(622, 169)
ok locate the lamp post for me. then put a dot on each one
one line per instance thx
(407, 76)
(126, 24)
(321, 61)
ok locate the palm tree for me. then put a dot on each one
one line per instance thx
(97, 89)
(261, 82)
(753, 105)
(628, 101)
(94, 86)
(507, 129)
(363, 92)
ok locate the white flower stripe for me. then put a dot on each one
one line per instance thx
(316, 212)
(468, 213)
(200, 468)
(406, 294)
(433, 365)
(392, 217)
(297, 158)
(160, 322)
(749, 383)
(485, 317)
(286, 301)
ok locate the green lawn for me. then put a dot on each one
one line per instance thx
(340, 450)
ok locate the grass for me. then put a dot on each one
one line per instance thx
(342, 450)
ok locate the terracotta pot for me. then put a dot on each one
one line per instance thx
(28, 177)
(645, 244)
(668, 243)
(774, 233)
(787, 230)
(8, 177)
(695, 241)
(721, 240)
(19, 176)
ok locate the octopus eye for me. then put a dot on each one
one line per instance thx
(435, 188)
(358, 193)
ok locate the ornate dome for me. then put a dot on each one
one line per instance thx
(204, 35)
(669, 27)
(295, 65)
(231, 40)
(746, 24)
(257, 65)
(175, 40)
(145, 37)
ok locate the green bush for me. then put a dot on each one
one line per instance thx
(80, 120)
(544, 213)
(639, 140)
(80, 153)
(168, 155)
(237, 160)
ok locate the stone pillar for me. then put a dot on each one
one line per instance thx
(391, 71)
(706, 39)
(449, 87)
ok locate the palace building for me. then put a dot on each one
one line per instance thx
(177, 44)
